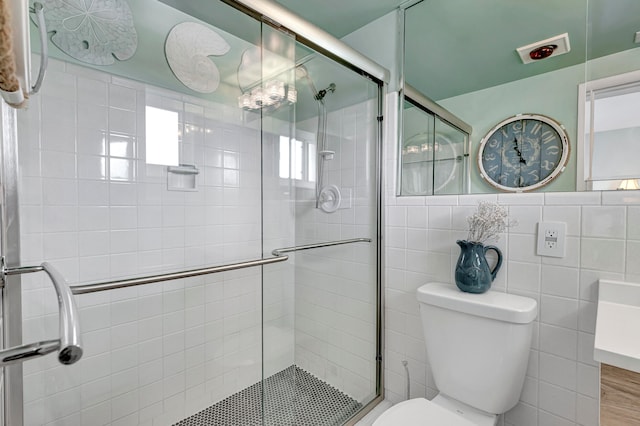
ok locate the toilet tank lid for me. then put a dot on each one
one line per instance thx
(492, 304)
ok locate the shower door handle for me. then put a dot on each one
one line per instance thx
(69, 344)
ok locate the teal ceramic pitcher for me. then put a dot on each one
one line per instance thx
(473, 274)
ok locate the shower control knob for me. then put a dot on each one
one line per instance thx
(327, 155)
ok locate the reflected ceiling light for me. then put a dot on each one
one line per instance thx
(272, 94)
(258, 90)
(628, 184)
(543, 49)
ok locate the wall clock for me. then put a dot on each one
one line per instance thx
(523, 153)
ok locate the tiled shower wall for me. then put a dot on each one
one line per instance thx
(336, 286)
(603, 241)
(92, 207)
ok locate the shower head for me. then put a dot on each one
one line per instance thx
(302, 72)
(321, 94)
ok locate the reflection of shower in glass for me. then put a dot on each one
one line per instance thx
(327, 197)
(263, 78)
(321, 94)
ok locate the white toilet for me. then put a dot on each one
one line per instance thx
(478, 350)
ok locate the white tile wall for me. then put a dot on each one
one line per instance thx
(563, 380)
(335, 298)
(562, 384)
(92, 207)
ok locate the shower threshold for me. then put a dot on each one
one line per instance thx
(292, 397)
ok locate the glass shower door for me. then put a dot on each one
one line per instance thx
(434, 156)
(320, 313)
(128, 173)
(104, 197)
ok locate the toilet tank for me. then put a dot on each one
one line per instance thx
(477, 344)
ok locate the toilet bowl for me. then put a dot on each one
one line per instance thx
(438, 412)
(478, 350)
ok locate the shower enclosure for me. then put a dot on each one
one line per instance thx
(223, 248)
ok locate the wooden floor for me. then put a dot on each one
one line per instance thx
(619, 396)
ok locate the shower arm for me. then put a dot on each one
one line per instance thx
(322, 155)
(321, 134)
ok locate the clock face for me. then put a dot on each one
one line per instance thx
(523, 153)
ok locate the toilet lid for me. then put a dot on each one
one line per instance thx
(419, 412)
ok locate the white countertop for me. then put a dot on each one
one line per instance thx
(617, 339)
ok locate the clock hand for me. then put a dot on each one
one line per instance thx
(515, 142)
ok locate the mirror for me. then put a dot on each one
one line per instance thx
(462, 54)
(434, 155)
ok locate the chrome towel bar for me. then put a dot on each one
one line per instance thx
(278, 254)
(69, 344)
(129, 282)
(280, 251)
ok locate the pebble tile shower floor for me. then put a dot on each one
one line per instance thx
(293, 397)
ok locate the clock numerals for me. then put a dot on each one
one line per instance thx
(548, 165)
(523, 152)
(489, 156)
(537, 126)
(493, 169)
(493, 143)
(548, 137)
(552, 150)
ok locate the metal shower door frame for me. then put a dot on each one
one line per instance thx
(12, 385)
(319, 40)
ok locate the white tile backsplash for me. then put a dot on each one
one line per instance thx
(562, 384)
(603, 254)
(523, 276)
(572, 198)
(529, 199)
(558, 371)
(97, 211)
(604, 221)
(558, 401)
(160, 352)
(526, 219)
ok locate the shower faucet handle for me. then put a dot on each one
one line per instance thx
(327, 155)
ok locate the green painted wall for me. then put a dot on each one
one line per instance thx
(379, 40)
(554, 94)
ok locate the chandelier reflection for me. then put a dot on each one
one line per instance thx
(272, 95)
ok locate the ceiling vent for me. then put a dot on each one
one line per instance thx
(543, 49)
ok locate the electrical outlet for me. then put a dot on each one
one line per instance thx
(551, 239)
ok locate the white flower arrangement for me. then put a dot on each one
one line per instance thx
(488, 222)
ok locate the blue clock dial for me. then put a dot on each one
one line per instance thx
(523, 152)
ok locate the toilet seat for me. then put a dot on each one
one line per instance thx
(420, 412)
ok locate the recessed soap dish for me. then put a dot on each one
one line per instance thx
(182, 177)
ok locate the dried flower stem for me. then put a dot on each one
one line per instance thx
(488, 222)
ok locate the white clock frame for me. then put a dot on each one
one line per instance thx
(560, 167)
